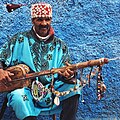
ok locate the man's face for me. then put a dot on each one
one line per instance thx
(42, 25)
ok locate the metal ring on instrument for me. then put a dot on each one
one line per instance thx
(42, 95)
(37, 90)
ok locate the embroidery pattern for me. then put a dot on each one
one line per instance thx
(25, 98)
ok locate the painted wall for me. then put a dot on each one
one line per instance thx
(91, 28)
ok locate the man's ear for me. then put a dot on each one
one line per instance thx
(32, 20)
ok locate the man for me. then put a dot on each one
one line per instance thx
(40, 50)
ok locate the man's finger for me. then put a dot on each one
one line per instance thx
(67, 64)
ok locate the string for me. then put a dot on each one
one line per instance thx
(116, 58)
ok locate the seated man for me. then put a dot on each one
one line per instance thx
(40, 49)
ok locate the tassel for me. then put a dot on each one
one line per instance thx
(101, 88)
(12, 7)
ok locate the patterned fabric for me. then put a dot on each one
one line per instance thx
(27, 49)
(41, 10)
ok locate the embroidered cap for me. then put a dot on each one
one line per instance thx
(41, 10)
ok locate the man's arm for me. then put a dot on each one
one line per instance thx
(4, 75)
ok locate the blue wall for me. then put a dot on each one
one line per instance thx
(91, 28)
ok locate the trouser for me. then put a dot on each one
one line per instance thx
(69, 109)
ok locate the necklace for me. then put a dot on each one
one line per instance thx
(40, 37)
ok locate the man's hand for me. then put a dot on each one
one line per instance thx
(5, 76)
(68, 74)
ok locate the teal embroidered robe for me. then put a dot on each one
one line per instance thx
(27, 49)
